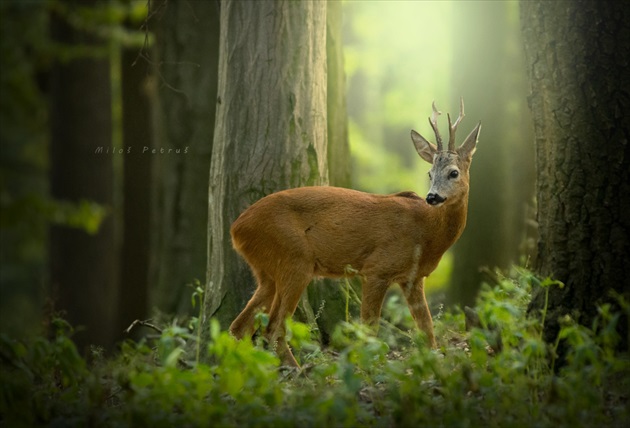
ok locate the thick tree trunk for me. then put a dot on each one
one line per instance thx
(187, 44)
(487, 72)
(270, 130)
(577, 58)
(82, 266)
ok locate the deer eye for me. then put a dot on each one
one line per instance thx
(453, 174)
(430, 177)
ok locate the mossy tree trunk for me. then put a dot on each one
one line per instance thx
(577, 58)
(339, 164)
(270, 129)
(328, 294)
(187, 58)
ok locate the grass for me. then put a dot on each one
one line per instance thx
(497, 373)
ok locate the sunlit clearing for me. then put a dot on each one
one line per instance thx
(397, 61)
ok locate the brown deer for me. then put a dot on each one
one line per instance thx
(291, 236)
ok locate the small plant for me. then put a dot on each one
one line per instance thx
(197, 298)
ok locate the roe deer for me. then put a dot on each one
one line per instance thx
(291, 236)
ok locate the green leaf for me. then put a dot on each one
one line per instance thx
(172, 358)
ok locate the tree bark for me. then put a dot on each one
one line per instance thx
(339, 161)
(327, 294)
(82, 266)
(187, 50)
(270, 130)
(577, 60)
(487, 72)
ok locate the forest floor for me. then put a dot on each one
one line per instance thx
(492, 368)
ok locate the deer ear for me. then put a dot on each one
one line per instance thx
(469, 145)
(425, 149)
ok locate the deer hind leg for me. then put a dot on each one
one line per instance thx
(288, 293)
(373, 294)
(261, 300)
(414, 293)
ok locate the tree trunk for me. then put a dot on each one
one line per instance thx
(327, 294)
(487, 73)
(82, 266)
(187, 45)
(137, 127)
(339, 164)
(577, 58)
(270, 130)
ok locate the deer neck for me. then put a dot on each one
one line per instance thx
(447, 225)
(452, 220)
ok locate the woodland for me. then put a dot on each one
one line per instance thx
(133, 133)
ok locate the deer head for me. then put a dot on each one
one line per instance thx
(449, 174)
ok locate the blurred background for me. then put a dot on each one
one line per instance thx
(149, 84)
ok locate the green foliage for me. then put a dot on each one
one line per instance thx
(41, 381)
(500, 373)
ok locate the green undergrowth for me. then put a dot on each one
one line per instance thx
(498, 372)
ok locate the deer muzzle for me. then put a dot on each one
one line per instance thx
(434, 199)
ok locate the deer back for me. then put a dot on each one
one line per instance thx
(330, 229)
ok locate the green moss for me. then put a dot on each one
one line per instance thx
(313, 165)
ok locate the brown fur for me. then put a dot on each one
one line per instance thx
(291, 236)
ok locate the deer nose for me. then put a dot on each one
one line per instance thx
(434, 199)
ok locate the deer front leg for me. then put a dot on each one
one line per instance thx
(414, 293)
(373, 294)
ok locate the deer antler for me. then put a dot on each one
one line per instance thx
(433, 122)
(452, 129)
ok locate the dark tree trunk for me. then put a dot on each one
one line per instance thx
(270, 130)
(187, 49)
(137, 128)
(577, 56)
(82, 266)
(488, 73)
